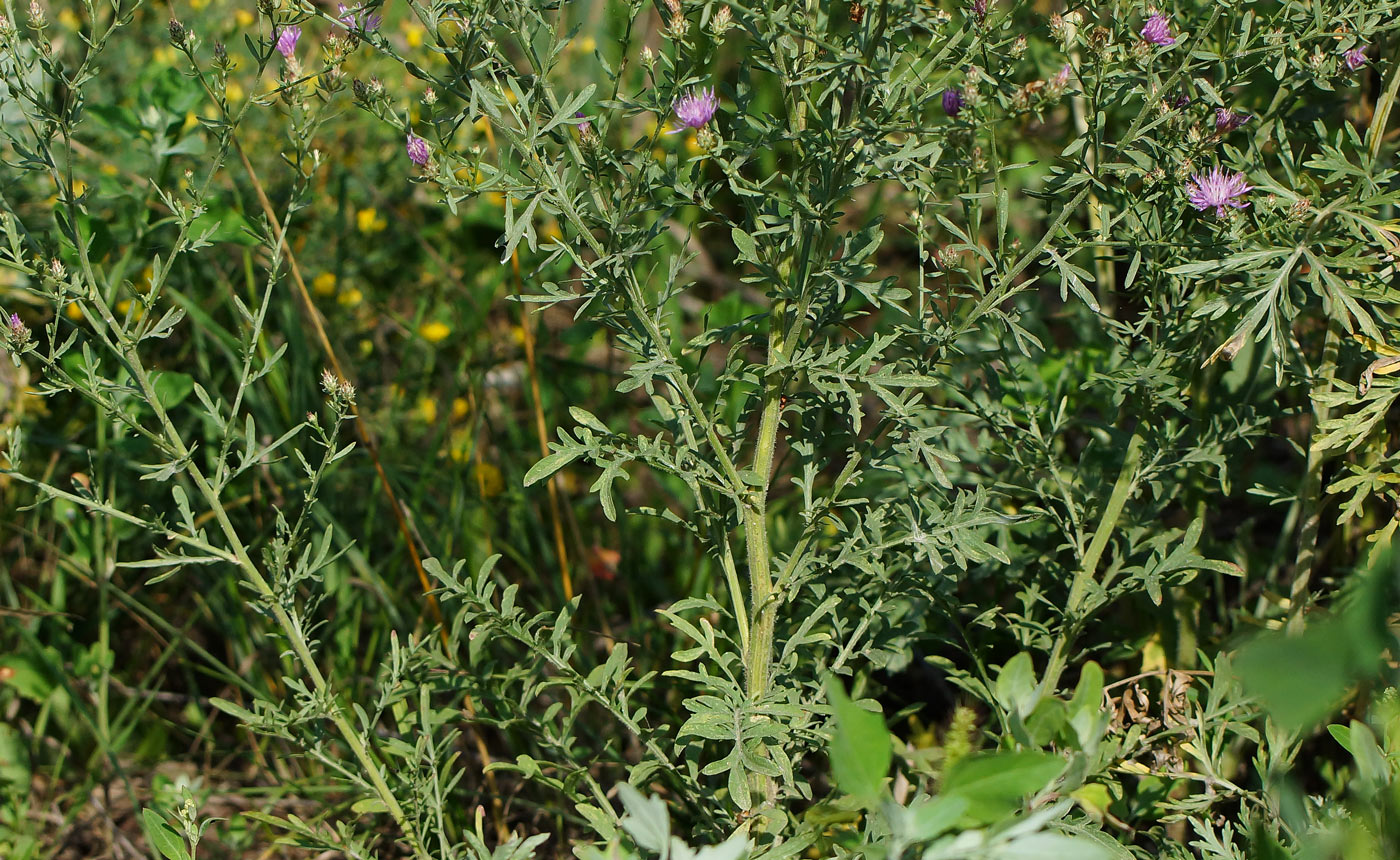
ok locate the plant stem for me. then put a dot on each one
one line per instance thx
(125, 347)
(1310, 494)
(1088, 566)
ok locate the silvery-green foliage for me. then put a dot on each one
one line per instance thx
(894, 446)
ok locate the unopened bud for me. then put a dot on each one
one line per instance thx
(721, 22)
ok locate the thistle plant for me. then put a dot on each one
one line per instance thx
(939, 342)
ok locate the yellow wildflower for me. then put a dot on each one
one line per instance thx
(488, 479)
(427, 409)
(350, 298)
(370, 221)
(74, 312)
(588, 44)
(459, 408)
(234, 91)
(434, 332)
(459, 445)
(413, 34)
(108, 169)
(324, 284)
(143, 283)
(244, 18)
(68, 19)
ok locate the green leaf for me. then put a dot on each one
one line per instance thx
(368, 805)
(1050, 846)
(646, 819)
(748, 248)
(551, 464)
(172, 388)
(931, 817)
(224, 225)
(163, 837)
(1016, 688)
(860, 749)
(995, 784)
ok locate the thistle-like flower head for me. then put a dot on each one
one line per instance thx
(1227, 120)
(1219, 190)
(1355, 58)
(953, 102)
(695, 108)
(358, 18)
(417, 149)
(1156, 32)
(287, 41)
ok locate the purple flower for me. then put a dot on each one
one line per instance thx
(979, 10)
(584, 127)
(1181, 101)
(1227, 120)
(358, 18)
(1217, 190)
(953, 102)
(287, 41)
(1155, 31)
(1061, 78)
(417, 149)
(15, 334)
(1355, 58)
(695, 108)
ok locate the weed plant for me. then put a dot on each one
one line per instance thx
(509, 428)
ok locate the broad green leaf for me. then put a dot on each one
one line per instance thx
(995, 784)
(646, 819)
(860, 750)
(163, 837)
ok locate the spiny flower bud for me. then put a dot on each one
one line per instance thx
(430, 97)
(341, 392)
(37, 17)
(722, 22)
(15, 334)
(417, 149)
(178, 33)
(648, 58)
